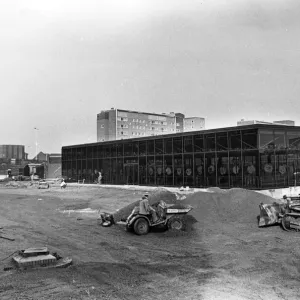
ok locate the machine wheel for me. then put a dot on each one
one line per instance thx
(176, 223)
(141, 226)
(286, 221)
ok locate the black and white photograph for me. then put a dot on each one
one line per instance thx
(149, 149)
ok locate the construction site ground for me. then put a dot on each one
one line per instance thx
(232, 259)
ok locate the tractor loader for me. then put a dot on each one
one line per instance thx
(286, 214)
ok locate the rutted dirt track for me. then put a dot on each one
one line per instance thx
(219, 259)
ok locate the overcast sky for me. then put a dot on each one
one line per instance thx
(63, 61)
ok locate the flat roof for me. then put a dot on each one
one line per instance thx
(189, 133)
(141, 112)
(195, 118)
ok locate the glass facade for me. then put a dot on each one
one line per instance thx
(253, 157)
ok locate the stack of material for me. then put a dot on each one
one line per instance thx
(32, 257)
(16, 184)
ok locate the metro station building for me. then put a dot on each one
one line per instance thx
(255, 156)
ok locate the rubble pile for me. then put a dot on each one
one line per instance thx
(234, 205)
(15, 184)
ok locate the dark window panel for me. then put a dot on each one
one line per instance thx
(235, 141)
(135, 148)
(150, 147)
(142, 148)
(266, 139)
(210, 142)
(177, 145)
(128, 149)
(249, 138)
(169, 170)
(199, 143)
(168, 146)
(159, 147)
(279, 140)
(188, 144)
(120, 149)
(293, 140)
(222, 141)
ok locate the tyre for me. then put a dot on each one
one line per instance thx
(176, 223)
(141, 226)
(286, 222)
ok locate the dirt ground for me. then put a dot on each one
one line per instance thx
(237, 261)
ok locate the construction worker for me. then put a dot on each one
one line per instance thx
(63, 185)
(146, 209)
(99, 177)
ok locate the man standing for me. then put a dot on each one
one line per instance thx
(99, 178)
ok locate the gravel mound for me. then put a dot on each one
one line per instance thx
(236, 205)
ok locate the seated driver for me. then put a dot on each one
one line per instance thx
(146, 209)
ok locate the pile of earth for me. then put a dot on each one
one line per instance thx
(15, 184)
(231, 206)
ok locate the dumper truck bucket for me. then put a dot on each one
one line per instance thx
(269, 214)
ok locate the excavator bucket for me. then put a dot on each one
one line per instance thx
(269, 214)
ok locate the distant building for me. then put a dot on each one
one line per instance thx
(193, 124)
(179, 119)
(285, 122)
(255, 157)
(51, 162)
(243, 122)
(41, 156)
(12, 152)
(117, 124)
(53, 166)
